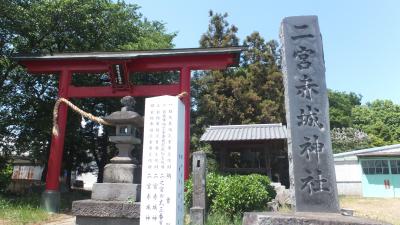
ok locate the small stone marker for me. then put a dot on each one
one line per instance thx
(197, 212)
(162, 167)
(311, 168)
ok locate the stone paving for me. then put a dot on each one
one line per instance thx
(63, 219)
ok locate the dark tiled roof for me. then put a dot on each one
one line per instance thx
(245, 132)
(129, 54)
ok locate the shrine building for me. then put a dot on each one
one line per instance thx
(252, 148)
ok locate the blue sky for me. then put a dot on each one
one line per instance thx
(361, 37)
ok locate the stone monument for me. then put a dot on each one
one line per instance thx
(312, 171)
(116, 201)
(311, 167)
(162, 167)
(198, 211)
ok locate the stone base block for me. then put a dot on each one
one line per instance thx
(122, 173)
(197, 216)
(105, 209)
(272, 218)
(51, 201)
(81, 220)
(116, 192)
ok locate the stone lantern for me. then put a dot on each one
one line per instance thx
(123, 167)
(116, 201)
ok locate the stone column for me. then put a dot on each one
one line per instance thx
(197, 212)
(311, 167)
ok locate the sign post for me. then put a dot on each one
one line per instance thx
(163, 158)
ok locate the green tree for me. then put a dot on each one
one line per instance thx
(43, 26)
(380, 119)
(219, 33)
(340, 108)
(252, 93)
(349, 139)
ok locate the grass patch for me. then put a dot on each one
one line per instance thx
(223, 219)
(68, 197)
(21, 210)
(25, 209)
(218, 219)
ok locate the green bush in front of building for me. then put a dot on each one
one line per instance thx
(234, 194)
(5, 176)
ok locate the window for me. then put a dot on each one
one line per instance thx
(375, 166)
(395, 166)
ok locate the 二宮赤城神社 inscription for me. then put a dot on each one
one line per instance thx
(162, 167)
(311, 165)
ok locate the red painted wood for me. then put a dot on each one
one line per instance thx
(57, 142)
(137, 90)
(185, 86)
(53, 66)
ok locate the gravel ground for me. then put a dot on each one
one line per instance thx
(383, 209)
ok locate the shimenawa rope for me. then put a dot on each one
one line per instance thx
(83, 113)
(76, 109)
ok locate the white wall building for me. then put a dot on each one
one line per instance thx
(369, 172)
(348, 174)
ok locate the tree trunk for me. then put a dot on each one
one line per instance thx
(68, 179)
(44, 172)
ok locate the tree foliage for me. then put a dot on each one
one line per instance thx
(380, 119)
(219, 33)
(356, 126)
(43, 26)
(5, 173)
(252, 93)
(340, 108)
(348, 138)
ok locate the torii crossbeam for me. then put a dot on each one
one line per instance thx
(119, 66)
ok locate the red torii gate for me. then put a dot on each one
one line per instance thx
(119, 65)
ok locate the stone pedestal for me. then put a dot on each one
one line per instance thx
(197, 216)
(116, 192)
(122, 173)
(94, 212)
(271, 218)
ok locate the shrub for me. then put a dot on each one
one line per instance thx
(239, 194)
(234, 194)
(188, 193)
(213, 182)
(5, 176)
